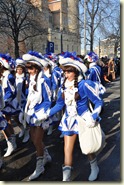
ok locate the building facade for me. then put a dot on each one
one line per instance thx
(60, 19)
(64, 25)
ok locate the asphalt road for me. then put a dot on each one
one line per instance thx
(21, 163)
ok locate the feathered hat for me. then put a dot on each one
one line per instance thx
(91, 57)
(51, 58)
(35, 58)
(70, 59)
(20, 62)
(7, 61)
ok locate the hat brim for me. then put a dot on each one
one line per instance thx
(35, 60)
(4, 63)
(20, 62)
(75, 63)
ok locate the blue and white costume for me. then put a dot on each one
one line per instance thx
(38, 101)
(56, 74)
(94, 72)
(21, 91)
(21, 81)
(3, 122)
(8, 86)
(86, 89)
(9, 93)
(56, 80)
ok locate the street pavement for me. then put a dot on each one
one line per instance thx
(21, 163)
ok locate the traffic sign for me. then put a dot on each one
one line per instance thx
(50, 47)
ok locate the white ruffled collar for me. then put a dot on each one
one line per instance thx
(32, 77)
(19, 75)
(69, 84)
(40, 79)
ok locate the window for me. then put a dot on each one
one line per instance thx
(56, 47)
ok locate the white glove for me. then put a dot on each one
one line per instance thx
(88, 120)
(90, 124)
(32, 105)
(42, 118)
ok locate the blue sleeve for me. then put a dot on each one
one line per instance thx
(92, 93)
(11, 79)
(59, 104)
(10, 92)
(92, 75)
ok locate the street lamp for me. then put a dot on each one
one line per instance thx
(61, 42)
(99, 48)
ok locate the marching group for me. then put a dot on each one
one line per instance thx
(34, 88)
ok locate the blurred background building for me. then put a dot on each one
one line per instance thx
(108, 47)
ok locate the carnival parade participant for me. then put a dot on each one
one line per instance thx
(94, 70)
(56, 81)
(74, 95)
(4, 126)
(21, 78)
(11, 108)
(38, 102)
(95, 73)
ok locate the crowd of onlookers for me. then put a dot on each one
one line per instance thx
(111, 68)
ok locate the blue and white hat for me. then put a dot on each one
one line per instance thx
(7, 61)
(20, 62)
(35, 58)
(91, 57)
(51, 58)
(70, 59)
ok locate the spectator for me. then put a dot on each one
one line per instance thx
(111, 69)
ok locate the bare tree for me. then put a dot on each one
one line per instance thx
(20, 21)
(99, 14)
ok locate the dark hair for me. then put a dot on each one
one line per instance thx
(25, 85)
(71, 69)
(2, 69)
(20, 66)
(50, 68)
(33, 65)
